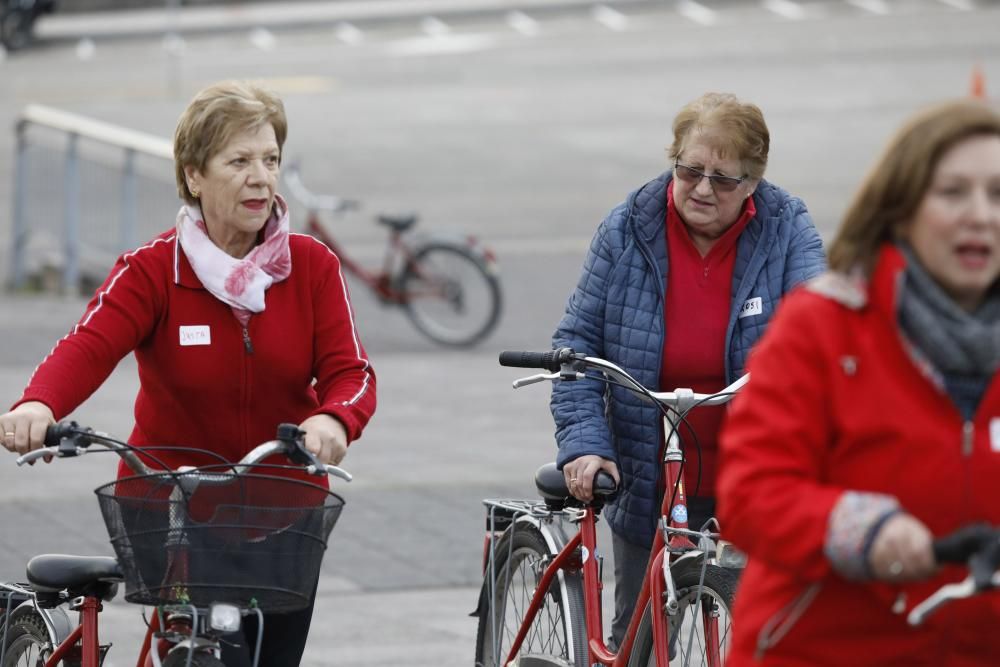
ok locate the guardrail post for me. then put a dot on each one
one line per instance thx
(20, 237)
(130, 213)
(71, 219)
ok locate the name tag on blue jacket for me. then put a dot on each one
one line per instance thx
(754, 306)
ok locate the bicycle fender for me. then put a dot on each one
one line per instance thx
(555, 540)
(56, 620)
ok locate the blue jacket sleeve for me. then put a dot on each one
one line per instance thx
(578, 407)
(806, 257)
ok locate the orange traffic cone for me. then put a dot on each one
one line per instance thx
(978, 87)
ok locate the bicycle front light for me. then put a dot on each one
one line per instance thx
(729, 556)
(224, 617)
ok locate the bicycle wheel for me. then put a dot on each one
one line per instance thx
(27, 643)
(451, 294)
(558, 636)
(179, 658)
(702, 615)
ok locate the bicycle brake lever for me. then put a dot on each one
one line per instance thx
(532, 379)
(330, 469)
(36, 454)
(962, 589)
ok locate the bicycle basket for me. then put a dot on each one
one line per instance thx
(251, 540)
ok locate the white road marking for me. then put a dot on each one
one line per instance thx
(263, 39)
(434, 26)
(348, 33)
(611, 19)
(879, 7)
(786, 9)
(522, 23)
(699, 13)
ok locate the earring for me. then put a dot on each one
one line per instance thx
(194, 192)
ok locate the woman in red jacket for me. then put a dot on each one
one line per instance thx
(236, 324)
(871, 424)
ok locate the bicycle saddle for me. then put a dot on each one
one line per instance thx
(55, 572)
(398, 222)
(551, 485)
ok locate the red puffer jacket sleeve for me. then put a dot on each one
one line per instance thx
(345, 380)
(122, 313)
(773, 502)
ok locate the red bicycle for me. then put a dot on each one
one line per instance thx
(448, 286)
(540, 604)
(206, 546)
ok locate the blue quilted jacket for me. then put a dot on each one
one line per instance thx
(616, 313)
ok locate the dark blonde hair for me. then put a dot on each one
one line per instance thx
(894, 187)
(731, 128)
(214, 116)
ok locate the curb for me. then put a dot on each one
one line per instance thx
(290, 15)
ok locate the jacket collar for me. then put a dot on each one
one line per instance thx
(184, 274)
(853, 291)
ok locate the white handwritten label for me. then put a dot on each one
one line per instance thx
(995, 434)
(754, 306)
(196, 335)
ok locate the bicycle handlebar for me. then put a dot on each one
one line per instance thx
(978, 546)
(312, 200)
(567, 365)
(68, 439)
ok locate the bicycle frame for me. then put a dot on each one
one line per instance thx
(379, 280)
(657, 583)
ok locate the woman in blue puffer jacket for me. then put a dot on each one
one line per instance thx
(679, 283)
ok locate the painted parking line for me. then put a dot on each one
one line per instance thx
(523, 24)
(879, 7)
(697, 12)
(785, 9)
(612, 19)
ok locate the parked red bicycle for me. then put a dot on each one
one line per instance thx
(205, 546)
(540, 604)
(447, 285)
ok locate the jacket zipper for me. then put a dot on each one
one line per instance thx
(779, 625)
(968, 431)
(246, 341)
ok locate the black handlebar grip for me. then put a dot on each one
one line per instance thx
(960, 545)
(550, 360)
(55, 433)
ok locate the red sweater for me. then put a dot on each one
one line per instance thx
(204, 380)
(835, 403)
(696, 313)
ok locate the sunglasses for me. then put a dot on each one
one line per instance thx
(719, 183)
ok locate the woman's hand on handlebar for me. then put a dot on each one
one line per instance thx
(325, 437)
(23, 428)
(902, 550)
(580, 473)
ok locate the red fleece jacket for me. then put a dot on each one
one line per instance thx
(204, 380)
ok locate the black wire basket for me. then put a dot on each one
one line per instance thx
(253, 540)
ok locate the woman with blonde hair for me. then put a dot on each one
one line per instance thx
(870, 424)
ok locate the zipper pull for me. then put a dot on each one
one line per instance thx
(246, 341)
(967, 431)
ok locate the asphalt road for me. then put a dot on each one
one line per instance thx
(524, 137)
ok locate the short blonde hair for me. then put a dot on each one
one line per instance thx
(214, 116)
(732, 128)
(896, 184)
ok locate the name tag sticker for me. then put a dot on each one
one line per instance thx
(995, 434)
(754, 306)
(196, 335)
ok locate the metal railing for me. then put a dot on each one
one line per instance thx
(106, 173)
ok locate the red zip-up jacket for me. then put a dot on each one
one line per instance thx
(205, 381)
(836, 403)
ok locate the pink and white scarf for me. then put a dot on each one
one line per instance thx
(240, 283)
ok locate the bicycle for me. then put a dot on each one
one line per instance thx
(540, 603)
(448, 286)
(195, 543)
